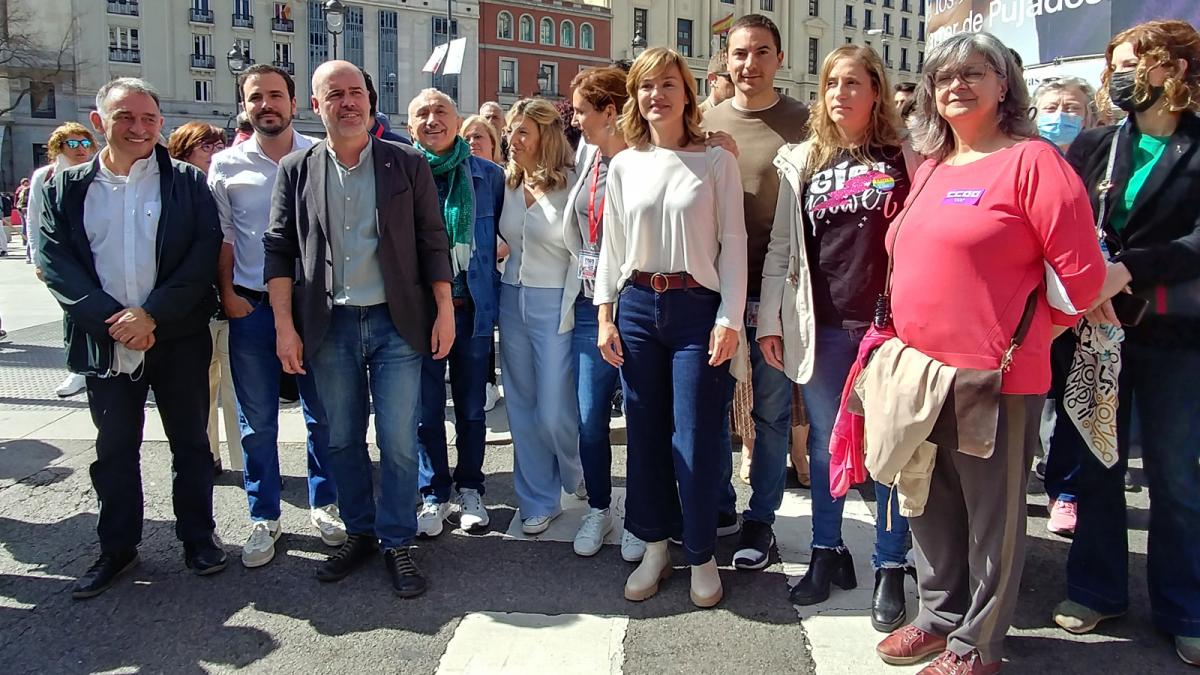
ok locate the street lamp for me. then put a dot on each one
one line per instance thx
(335, 21)
(238, 61)
(639, 43)
(545, 77)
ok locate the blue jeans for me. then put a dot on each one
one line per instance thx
(256, 368)
(835, 351)
(539, 390)
(468, 361)
(674, 406)
(364, 361)
(1063, 458)
(1162, 381)
(597, 383)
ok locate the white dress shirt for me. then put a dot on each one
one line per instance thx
(539, 257)
(37, 184)
(120, 216)
(242, 179)
(675, 211)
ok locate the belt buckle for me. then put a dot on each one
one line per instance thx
(659, 278)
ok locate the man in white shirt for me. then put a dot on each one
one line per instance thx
(241, 179)
(128, 246)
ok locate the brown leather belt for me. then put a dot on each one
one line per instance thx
(661, 283)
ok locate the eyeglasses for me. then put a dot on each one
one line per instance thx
(76, 144)
(728, 77)
(213, 146)
(969, 75)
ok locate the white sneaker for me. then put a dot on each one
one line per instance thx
(472, 516)
(74, 384)
(430, 519)
(538, 524)
(581, 491)
(632, 548)
(491, 397)
(590, 538)
(259, 549)
(328, 521)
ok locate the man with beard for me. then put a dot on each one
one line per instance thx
(241, 179)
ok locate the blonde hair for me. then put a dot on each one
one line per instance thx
(58, 138)
(481, 121)
(555, 158)
(650, 63)
(823, 133)
(1159, 43)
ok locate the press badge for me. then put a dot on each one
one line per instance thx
(752, 314)
(588, 262)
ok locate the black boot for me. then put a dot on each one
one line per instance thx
(825, 567)
(101, 575)
(887, 604)
(406, 578)
(351, 554)
(204, 557)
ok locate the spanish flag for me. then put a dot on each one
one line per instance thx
(723, 25)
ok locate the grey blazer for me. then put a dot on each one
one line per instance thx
(414, 250)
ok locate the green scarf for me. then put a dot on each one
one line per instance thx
(459, 208)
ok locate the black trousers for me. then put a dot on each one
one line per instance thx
(177, 370)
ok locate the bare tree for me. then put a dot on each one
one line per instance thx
(28, 61)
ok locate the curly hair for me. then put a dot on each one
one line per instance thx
(652, 62)
(58, 138)
(883, 129)
(1159, 42)
(555, 158)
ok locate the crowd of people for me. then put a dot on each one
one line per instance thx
(905, 272)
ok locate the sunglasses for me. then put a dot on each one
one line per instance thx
(75, 145)
(970, 75)
(213, 146)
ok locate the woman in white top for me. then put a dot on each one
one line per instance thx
(535, 355)
(674, 260)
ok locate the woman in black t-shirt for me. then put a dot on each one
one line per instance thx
(825, 267)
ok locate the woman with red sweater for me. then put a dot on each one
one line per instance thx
(986, 214)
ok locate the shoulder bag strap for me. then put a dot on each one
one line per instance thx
(1105, 185)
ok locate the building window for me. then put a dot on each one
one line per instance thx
(813, 47)
(887, 24)
(887, 3)
(921, 8)
(508, 76)
(526, 28)
(39, 154)
(849, 40)
(906, 6)
(203, 91)
(355, 48)
(446, 83)
(904, 58)
(121, 37)
(201, 44)
(553, 88)
(504, 26)
(318, 39)
(850, 16)
(245, 46)
(389, 62)
(546, 31)
(921, 30)
(641, 22)
(868, 18)
(766, 5)
(814, 7)
(566, 34)
(587, 37)
(683, 37)
(283, 53)
(904, 27)
(887, 55)
(921, 59)
(41, 100)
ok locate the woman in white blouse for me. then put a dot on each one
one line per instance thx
(535, 357)
(673, 260)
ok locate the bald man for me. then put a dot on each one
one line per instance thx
(359, 217)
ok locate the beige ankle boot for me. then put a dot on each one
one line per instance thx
(655, 568)
(706, 584)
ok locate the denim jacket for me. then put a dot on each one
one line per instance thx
(483, 278)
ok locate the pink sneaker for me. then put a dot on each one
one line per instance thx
(1062, 518)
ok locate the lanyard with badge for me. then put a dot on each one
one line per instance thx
(589, 258)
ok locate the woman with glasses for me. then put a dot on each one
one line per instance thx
(196, 143)
(70, 145)
(988, 211)
(671, 288)
(1151, 229)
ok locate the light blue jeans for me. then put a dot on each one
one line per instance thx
(538, 366)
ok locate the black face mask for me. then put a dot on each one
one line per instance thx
(1121, 90)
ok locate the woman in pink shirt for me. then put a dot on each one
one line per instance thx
(987, 212)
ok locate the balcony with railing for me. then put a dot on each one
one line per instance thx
(289, 66)
(124, 55)
(124, 8)
(201, 16)
(283, 25)
(204, 61)
(243, 21)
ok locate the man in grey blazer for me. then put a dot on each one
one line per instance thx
(358, 218)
